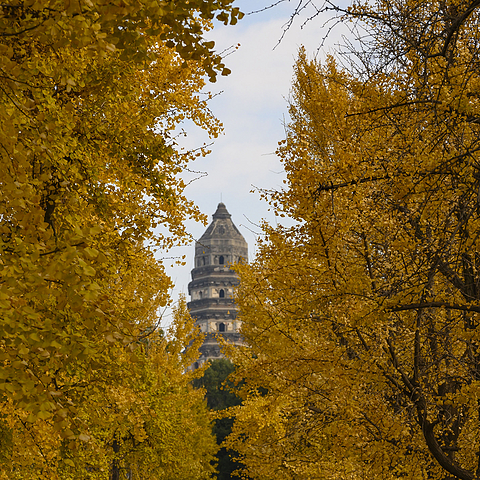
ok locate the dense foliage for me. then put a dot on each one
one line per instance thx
(90, 93)
(143, 419)
(362, 318)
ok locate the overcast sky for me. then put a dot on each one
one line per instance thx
(253, 108)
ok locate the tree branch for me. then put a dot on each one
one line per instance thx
(449, 306)
(439, 454)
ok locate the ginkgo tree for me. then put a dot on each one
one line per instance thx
(362, 319)
(90, 95)
(144, 422)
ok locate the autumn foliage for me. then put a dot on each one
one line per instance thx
(362, 318)
(90, 95)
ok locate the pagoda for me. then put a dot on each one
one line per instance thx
(213, 283)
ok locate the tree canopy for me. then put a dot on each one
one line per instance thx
(90, 95)
(143, 420)
(362, 319)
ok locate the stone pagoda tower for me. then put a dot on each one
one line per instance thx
(211, 288)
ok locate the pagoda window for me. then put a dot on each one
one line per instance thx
(221, 327)
(221, 260)
(221, 293)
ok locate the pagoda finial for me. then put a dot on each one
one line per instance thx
(221, 212)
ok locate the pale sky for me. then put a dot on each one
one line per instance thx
(253, 108)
